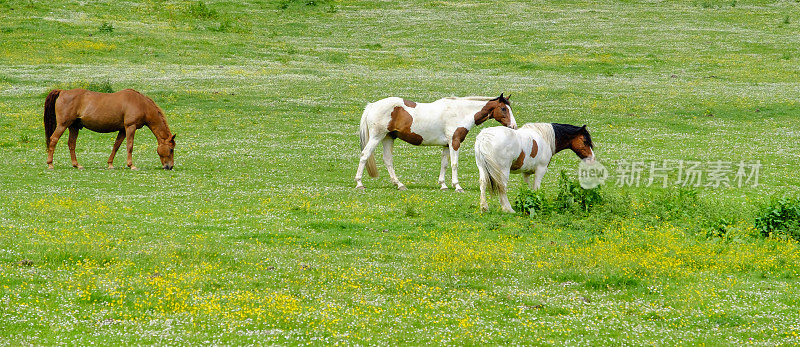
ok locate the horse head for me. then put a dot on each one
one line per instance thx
(498, 108)
(166, 151)
(582, 144)
(575, 138)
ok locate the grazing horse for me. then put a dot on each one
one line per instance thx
(500, 151)
(123, 111)
(444, 122)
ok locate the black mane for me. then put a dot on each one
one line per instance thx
(566, 132)
(502, 99)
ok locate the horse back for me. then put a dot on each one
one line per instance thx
(105, 112)
(503, 144)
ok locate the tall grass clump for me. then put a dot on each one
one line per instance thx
(203, 17)
(285, 4)
(532, 202)
(780, 217)
(675, 204)
(199, 9)
(106, 27)
(571, 196)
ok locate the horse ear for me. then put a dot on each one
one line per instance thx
(508, 97)
(172, 139)
(501, 96)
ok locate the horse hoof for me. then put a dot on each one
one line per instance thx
(459, 190)
(50, 167)
(78, 167)
(110, 167)
(134, 168)
(361, 188)
(402, 188)
(443, 188)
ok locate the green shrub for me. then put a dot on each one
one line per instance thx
(411, 212)
(198, 9)
(106, 28)
(725, 229)
(571, 196)
(530, 202)
(102, 87)
(285, 4)
(781, 216)
(223, 26)
(717, 228)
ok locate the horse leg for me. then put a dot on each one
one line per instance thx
(527, 178)
(129, 131)
(445, 160)
(51, 145)
(388, 143)
(504, 202)
(537, 181)
(73, 139)
(368, 149)
(502, 191)
(454, 167)
(484, 182)
(117, 143)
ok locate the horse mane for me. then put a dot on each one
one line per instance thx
(471, 98)
(570, 131)
(545, 130)
(480, 98)
(158, 109)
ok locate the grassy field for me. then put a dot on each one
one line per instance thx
(258, 235)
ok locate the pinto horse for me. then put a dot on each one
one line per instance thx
(123, 111)
(444, 123)
(500, 151)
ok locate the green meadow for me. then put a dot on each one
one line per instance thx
(258, 235)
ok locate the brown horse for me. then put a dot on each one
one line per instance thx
(123, 111)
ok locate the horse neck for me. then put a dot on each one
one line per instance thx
(466, 110)
(545, 130)
(563, 140)
(158, 125)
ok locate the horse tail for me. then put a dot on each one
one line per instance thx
(50, 114)
(363, 133)
(490, 169)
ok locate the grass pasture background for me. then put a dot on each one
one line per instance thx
(258, 235)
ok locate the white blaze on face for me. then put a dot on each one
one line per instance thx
(590, 158)
(512, 122)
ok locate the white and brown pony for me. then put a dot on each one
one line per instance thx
(500, 151)
(444, 122)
